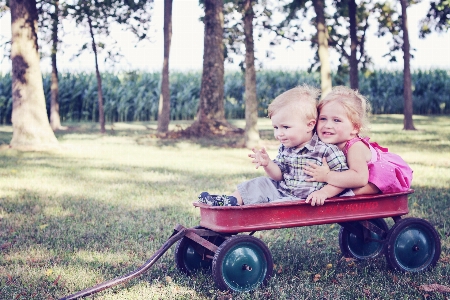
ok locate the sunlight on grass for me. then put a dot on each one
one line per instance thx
(104, 204)
(101, 257)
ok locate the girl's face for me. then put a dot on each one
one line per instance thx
(334, 126)
(291, 129)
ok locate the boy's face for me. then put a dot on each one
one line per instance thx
(291, 128)
(334, 126)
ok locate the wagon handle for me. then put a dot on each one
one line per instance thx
(110, 283)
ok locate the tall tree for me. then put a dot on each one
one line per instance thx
(31, 129)
(390, 21)
(291, 29)
(97, 17)
(322, 41)
(50, 14)
(251, 103)
(55, 120)
(164, 100)
(408, 123)
(211, 111)
(349, 25)
(354, 82)
(211, 105)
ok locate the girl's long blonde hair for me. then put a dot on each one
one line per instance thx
(355, 104)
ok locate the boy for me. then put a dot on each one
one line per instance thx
(293, 115)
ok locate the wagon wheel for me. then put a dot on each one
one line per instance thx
(353, 245)
(242, 263)
(413, 245)
(191, 257)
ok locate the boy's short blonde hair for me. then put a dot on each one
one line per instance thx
(302, 99)
(355, 104)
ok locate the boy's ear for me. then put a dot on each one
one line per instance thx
(311, 123)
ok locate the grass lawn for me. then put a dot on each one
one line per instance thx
(104, 204)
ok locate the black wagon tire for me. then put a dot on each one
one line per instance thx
(354, 246)
(413, 245)
(242, 263)
(191, 257)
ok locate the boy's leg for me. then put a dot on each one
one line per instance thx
(258, 190)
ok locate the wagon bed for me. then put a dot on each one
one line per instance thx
(246, 218)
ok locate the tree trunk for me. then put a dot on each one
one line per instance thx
(251, 102)
(101, 113)
(407, 89)
(164, 99)
(31, 128)
(354, 82)
(322, 40)
(55, 121)
(211, 111)
(211, 105)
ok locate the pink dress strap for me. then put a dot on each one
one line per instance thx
(371, 146)
(354, 140)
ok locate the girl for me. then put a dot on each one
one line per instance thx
(372, 169)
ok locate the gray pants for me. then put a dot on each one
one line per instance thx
(265, 190)
(261, 190)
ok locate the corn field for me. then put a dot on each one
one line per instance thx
(134, 96)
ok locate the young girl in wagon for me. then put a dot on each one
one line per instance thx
(372, 169)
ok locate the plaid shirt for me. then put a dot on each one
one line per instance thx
(292, 161)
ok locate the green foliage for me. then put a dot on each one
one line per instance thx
(134, 96)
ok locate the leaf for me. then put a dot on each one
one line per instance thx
(43, 226)
(435, 287)
(280, 269)
(5, 245)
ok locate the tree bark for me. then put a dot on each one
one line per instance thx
(322, 40)
(211, 110)
(354, 82)
(407, 89)
(55, 121)
(31, 128)
(211, 105)
(164, 99)
(101, 113)
(251, 134)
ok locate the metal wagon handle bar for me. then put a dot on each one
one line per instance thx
(110, 283)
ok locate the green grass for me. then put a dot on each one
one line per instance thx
(104, 204)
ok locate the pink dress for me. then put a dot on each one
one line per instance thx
(388, 171)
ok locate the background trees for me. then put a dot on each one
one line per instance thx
(340, 24)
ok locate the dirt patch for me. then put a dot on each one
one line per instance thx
(209, 128)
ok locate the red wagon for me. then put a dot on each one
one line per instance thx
(242, 262)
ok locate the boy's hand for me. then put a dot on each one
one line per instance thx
(260, 157)
(317, 198)
(317, 173)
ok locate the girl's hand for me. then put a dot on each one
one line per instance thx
(317, 173)
(317, 198)
(260, 157)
